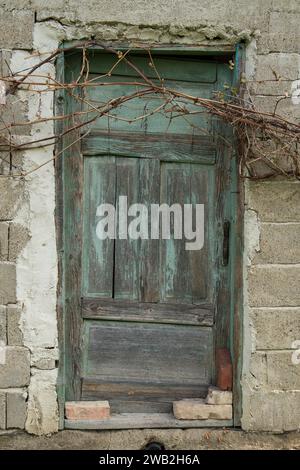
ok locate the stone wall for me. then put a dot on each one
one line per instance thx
(28, 260)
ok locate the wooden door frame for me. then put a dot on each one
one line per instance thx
(65, 326)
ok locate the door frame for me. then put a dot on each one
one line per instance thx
(236, 233)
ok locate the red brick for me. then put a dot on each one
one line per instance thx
(224, 369)
(87, 410)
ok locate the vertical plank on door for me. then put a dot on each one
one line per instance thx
(126, 285)
(98, 255)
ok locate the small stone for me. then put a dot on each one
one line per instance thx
(87, 410)
(215, 396)
(197, 409)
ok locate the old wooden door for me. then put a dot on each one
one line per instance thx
(143, 317)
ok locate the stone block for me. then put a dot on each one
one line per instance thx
(2, 410)
(42, 410)
(275, 328)
(16, 409)
(16, 29)
(224, 369)
(14, 332)
(274, 285)
(215, 396)
(15, 372)
(44, 359)
(87, 410)
(197, 409)
(276, 201)
(3, 325)
(8, 283)
(279, 243)
(3, 241)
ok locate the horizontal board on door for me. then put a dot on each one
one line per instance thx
(145, 367)
(185, 149)
(140, 396)
(111, 309)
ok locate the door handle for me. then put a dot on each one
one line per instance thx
(226, 235)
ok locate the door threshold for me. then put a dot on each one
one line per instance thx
(144, 421)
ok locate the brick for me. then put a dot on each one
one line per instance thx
(284, 31)
(279, 243)
(16, 409)
(198, 409)
(275, 328)
(215, 396)
(275, 201)
(2, 410)
(44, 359)
(3, 241)
(14, 332)
(16, 29)
(274, 286)
(8, 283)
(87, 410)
(3, 324)
(224, 369)
(15, 372)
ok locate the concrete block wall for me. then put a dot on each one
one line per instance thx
(28, 263)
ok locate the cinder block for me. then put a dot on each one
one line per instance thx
(15, 372)
(87, 410)
(8, 283)
(16, 29)
(11, 191)
(274, 286)
(215, 396)
(3, 241)
(275, 201)
(3, 325)
(18, 238)
(198, 409)
(282, 374)
(14, 332)
(274, 411)
(224, 369)
(279, 243)
(16, 409)
(275, 328)
(2, 410)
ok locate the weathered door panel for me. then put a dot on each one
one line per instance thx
(149, 312)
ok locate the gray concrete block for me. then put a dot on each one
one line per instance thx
(14, 332)
(16, 409)
(279, 243)
(16, 29)
(12, 195)
(276, 201)
(274, 286)
(18, 238)
(275, 328)
(2, 410)
(274, 411)
(3, 241)
(16, 370)
(8, 283)
(3, 324)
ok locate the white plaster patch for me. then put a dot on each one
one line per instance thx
(251, 235)
(295, 92)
